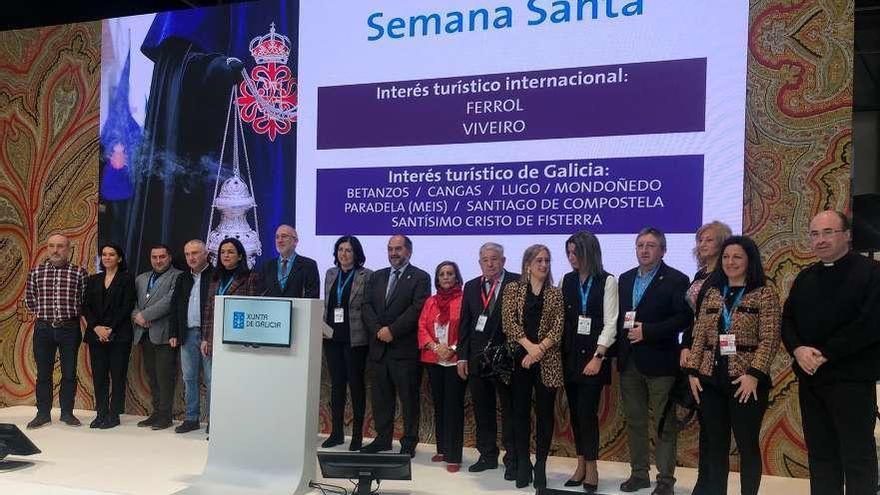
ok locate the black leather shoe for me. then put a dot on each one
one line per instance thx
(482, 464)
(523, 475)
(332, 441)
(98, 421)
(39, 421)
(70, 420)
(540, 473)
(411, 450)
(663, 488)
(510, 471)
(148, 422)
(356, 444)
(376, 446)
(187, 426)
(111, 421)
(634, 484)
(161, 424)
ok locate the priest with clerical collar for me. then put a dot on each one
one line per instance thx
(290, 274)
(831, 326)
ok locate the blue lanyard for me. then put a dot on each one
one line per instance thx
(585, 294)
(641, 284)
(222, 288)
(727, 314)
(282, 277)
(340, 288)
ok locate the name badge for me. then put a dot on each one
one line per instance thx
(481, 323)
(727, 344)
(629, 319)
(338, 315)
(584, 325)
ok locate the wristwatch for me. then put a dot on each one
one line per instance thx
(600, 355)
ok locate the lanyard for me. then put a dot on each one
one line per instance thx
(282, 276)
(727, 314)
(487, 298)
(222, 288)
(585, 294)
(340, 287)
(640, 285)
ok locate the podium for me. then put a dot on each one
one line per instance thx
(264, 409)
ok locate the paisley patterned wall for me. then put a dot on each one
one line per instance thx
(798, 147)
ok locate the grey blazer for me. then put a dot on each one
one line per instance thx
(157, 308)
(355, 301)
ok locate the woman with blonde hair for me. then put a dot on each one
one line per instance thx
(532, 321)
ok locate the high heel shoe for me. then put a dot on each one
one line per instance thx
(574, 482)
(540, 473)
(589, 488)
(523, 474)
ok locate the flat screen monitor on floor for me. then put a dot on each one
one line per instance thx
(14, 442)
(365, 467)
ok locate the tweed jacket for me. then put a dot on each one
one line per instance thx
(756, 324)
(356, 298)
(550, 327)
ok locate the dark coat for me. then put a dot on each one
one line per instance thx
(111, 309)
(400, 314)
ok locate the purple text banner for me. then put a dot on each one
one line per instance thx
(629, 99)
(605, 196)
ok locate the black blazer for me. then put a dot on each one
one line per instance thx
(578, 350)
(470, 342)
(112, 309)
(303, 280)
(180, 300)
(664, 313)
(401, 314)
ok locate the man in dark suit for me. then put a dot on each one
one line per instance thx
(152, 316)
(190, 294)
(481, 325)
(391, 312)
(290, 274)
(652, 313)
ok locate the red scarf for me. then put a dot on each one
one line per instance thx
(444, 299)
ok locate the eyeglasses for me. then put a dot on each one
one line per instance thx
(823, 234)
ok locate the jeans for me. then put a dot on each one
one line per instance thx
(48, 340)
(191, 359)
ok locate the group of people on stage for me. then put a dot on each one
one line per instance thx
(509, 337)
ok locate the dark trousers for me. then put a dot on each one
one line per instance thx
(447, 390)
(109, 364)
(160, 360)
(48, 340)
(583, 411)
(483, 392)
(393, 378)
(702, 465)
(721, 413)
(347, 366)
(523, 382)
(838, 420)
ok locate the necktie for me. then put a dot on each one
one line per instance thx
(284, 267)
(487, 286)
(392, 284)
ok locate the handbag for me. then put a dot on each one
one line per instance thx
(680, 406)
(495, 361)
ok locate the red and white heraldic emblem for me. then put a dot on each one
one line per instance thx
(268, 101)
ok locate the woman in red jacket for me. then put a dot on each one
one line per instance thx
(438, 333)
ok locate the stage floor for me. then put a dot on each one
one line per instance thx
(132, 460)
